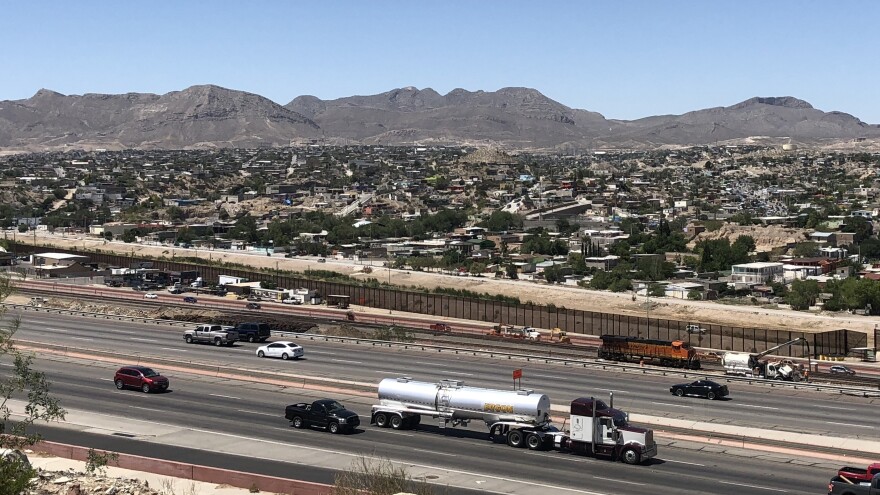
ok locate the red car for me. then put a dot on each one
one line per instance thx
(140, 377)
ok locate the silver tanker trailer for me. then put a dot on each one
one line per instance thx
(522, 417)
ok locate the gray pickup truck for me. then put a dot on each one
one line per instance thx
(841, 486)
(211, 334)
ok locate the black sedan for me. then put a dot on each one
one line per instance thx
(700, 388)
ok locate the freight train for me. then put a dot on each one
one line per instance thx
(663, 352)
(519, 417)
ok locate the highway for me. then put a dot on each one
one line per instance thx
(228, 417)
(759, 405)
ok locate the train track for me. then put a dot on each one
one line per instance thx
(302, 323)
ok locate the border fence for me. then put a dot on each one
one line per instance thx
(723, 337)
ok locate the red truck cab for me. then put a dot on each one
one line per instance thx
(856, 475)
(441, 327)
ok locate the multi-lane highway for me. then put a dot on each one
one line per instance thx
(246, 418)
(759, 405)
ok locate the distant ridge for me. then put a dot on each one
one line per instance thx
(512, 118)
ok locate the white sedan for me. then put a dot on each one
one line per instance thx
(284, 350)
(150, 295)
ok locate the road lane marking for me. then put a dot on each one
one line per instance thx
(173, 349)
(757, 407)
(321, 352)
(462, 373)
(257, 412)
(613, 390)
(82, 338)
(434, 452)
(836, 408)
(225, 396)
(394, 433)
(618, 480)
(347, 361)
(147, 409)
(754, 486)
(684, 462)
(849, 424)
(548, 376)
(672, 405)
(143, 340)
(7, 365)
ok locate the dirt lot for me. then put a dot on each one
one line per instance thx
(569, 297)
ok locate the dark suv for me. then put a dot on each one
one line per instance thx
(140, 377)
(253, 331)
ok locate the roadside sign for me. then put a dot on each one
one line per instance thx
(517, 374)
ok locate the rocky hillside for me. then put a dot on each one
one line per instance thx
(766, 237)
(510, 118)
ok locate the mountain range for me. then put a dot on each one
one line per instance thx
(511, 118)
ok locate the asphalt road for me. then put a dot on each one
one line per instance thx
(758, 405)
(206, 420)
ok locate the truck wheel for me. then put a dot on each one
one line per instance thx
(251, 338)
(119, 384)
(710, 395)
(679, 392)
(333, 427)
(535, 442)
(297, 422)
(261, 354)
(630, 456)
(381, 420)
(218, 342)
(515, 438)
(285, 356)
(396, 422)
(188, 339)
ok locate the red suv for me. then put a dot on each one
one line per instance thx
(140, 377)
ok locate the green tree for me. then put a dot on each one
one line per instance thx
(803, 294)
(500, 221)
(22, 228)
(59, 193)
(805, 249)
(25, 391)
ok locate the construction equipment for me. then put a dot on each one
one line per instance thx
(560, 335)
(510, 331)
(747, 364)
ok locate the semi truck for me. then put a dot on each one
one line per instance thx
(519, 417)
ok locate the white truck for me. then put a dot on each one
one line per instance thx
(211, 334)
(751, 365)
(521, 417)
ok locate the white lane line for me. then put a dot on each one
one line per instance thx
(7, 365)
(835, 408)
(394, 433)
(613, 390)
(849, 424)
(547, 376)
(173, 349)
(346, 361)
(754, 486)
(321, 352)
(82, 338)
(396, 373)
(143, 340)
(225, 396)
(106, 379)
(671, 405)
(462, 373)
(434, 452)
(258, 412)
(146, 409)
(757, 407)
(618, 480)
(684, 462)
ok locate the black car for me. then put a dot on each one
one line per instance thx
(253, 305)
(700, 388)
(190, 299)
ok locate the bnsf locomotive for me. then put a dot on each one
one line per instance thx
(663, 352)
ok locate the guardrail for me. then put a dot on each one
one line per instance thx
(594, 364)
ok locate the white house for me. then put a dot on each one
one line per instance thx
(748, 274)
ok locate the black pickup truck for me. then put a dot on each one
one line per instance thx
(841, 486)
(324, 413)
(253, 331)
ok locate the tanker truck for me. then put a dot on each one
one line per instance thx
(519, 417)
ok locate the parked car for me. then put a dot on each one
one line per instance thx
(151, 295)
(322, 260)
(839, 369)
(291, 300)
(253, 305)
(190, 299)
(440, 327)
(700, 388)
(140, 377)
(325, 413)
(284, 350)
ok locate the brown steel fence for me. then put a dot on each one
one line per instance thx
(723, 337)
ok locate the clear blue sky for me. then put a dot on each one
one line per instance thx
(625, 59)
